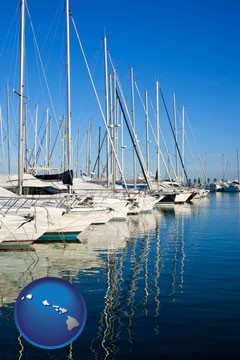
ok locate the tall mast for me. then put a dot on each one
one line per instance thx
(106, 107)
(69, 135)
(147, 132)
(46, 141)
(223, 170)
(99, 150)
(35, 137)
(237, 166)
(20, 92)
(88, 152)
(133, 126)
(115, 128)
(26, 137)
(158, 134)
(122, 142)
(63, 144)
(175, 131)
(8, 129)
(205, 167)
(49, 142)
(183, 134)
(111, 157)
(90, 148)
(78, 151)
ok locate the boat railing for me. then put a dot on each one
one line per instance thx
(13, 204)
(17, 204)
(88, 197)
(97, 195)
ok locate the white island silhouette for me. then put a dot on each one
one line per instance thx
(72, 323)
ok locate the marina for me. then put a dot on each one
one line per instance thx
(103, 184)
(162, 284)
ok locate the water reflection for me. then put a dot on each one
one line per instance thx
(60, 260)
(21, 347)
(157, 273)
(134, 280)
(144, 268)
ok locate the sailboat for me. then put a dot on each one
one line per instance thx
(21, 220)
(33, 216)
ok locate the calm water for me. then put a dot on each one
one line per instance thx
(162, 285)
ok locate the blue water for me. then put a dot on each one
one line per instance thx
(164, 285)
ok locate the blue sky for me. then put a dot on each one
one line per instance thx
(191, 47)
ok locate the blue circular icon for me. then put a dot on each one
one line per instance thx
(50, 313)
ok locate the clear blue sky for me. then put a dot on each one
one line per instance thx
(191, 47)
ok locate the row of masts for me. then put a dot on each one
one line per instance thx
(114, 100)
(21, 97)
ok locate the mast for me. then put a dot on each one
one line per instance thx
(133, 126)
(158, 134)
(147, 132)
(20, 92)
(99, 150)
(106, 107)
(49, 142)
(88, 152)
(175, 131)
(122, 142)
(26, 137)
(170, 123)
(78, 151)
(8, 129)
(69, 135)
(111, 157)
(237, 166)
(183, 155)
(223, 171)
(205, 167)
(90, 148)
(35, 137)
(115, 127)
(46, 141)
(63, 143)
